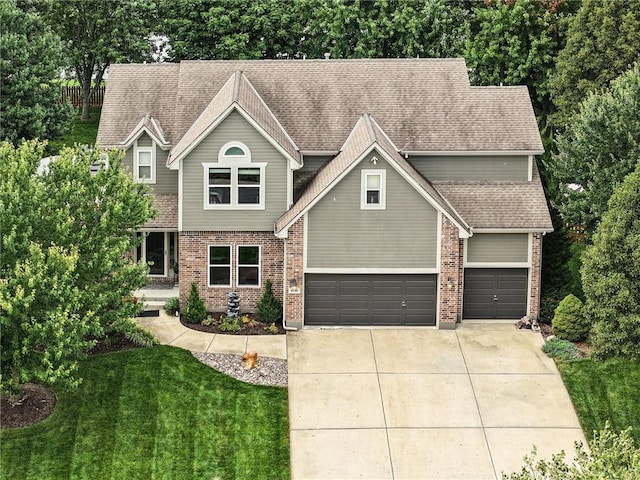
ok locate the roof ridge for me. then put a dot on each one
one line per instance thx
(236, 85)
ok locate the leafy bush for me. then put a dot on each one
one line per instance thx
(229, 324)
(561, 349)
(568, 322)
(141, 337)
(612, 456)
(195, 311)
(619, 338)
(269, 308)
(172, 305)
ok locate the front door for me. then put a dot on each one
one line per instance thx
(155, 253)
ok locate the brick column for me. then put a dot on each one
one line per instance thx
(536, 275)
(294, 275)
(450, 281)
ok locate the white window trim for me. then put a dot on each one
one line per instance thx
(246, 157)
(209, 265)
(136, 157)
(234, 166)
(259, 285)
(363, 189)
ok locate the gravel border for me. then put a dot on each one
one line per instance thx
(270, 371)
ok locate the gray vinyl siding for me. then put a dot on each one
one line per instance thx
(233, 128)
(498, 248)
(442, 168)
(166, 180)
(313, 163)
(342, 235)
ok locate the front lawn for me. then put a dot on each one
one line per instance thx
(154, 413)
(604, 391)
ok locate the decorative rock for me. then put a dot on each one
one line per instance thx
(275, 368)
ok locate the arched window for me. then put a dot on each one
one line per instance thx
(234, 151)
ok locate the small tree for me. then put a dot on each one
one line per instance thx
(269, 307)
(568, 322)
(611, 273)
(66, 277)
(195, 311)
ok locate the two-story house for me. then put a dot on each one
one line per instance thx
(371, 192)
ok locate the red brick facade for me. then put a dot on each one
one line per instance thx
(294, 277)
(536, 267)
(450, 279)
(193, 248)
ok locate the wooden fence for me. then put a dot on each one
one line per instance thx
(74, 95)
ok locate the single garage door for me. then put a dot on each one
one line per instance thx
(353, 300)
(495, 293)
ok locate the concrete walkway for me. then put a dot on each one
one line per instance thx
(170, 331)
(423, 404)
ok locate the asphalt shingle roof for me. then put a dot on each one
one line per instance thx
(422, 104)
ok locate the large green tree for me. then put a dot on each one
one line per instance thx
(598, 151)
(98, 33)
(603, 41)
(386, 28)
(231, 29)
(30, 62)
(611, 274)
(66, 276)
(515, 43)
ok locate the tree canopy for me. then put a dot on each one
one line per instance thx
(603, 41)
(599, 150)
(30, 62)
(64, 256)
(515, 43)
(611, 273)
(97, 34)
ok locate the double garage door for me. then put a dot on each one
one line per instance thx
(357, 299)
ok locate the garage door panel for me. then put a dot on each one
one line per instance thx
(360, 299)
(495, 293)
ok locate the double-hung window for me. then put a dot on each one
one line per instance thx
(220, 265)
(248, 266)
(373, 186)
(234, 182)
(144, 168)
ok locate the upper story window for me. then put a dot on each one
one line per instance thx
(373, 189)
(234, 182)
(144, 163)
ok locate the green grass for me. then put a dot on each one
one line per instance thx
(81, 132)
(604, 391)
(154, 413)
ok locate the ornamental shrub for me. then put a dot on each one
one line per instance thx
(568, 322)
(195, 311)
(619, 338)
(269, 308)
(561, 349)
(172, 305)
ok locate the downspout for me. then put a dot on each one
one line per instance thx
(284, 291)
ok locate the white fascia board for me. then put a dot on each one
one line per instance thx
(513, 230)
(268, 137)
(470, 153)
(136, 134)
(175, 163)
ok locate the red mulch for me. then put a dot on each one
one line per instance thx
(33, 404)
(252, 328)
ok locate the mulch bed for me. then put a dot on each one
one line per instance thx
(113, 343)
(33, 404)
(245, 328)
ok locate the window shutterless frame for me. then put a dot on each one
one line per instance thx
(248, 261)
(219, 266)
(144, 164)
(373, 185)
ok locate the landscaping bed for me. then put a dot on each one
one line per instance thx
(247, 323)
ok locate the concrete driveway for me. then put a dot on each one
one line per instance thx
(422, 403)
